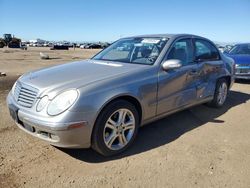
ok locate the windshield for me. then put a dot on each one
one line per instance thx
(138, 50)
(240, 49)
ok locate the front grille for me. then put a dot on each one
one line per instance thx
(244, 65)
(25, 95)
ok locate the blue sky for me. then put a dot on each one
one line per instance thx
(108, 20)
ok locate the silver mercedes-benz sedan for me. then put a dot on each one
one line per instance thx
(101, 102)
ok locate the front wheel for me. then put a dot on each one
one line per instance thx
(115, 128)
(220, 95)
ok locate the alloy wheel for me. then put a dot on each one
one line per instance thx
(222, 95)
(119, 129)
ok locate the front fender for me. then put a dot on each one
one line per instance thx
(141, 86)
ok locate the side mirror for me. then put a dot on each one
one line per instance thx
(171, 64)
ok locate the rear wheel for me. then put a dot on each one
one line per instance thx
(115, 128)
(220, 95)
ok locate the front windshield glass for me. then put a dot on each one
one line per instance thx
(138, 50)
(240, 49)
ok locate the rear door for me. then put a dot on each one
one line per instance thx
(177, 87)
(209, 66)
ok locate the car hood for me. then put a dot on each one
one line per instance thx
(76, 74)
(240, 59)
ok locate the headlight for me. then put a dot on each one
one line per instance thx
(62, 102)
(237, 65)
(42, 103)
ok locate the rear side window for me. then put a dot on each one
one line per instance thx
(205, 51)
(182, 50)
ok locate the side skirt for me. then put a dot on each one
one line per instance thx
(161, 116)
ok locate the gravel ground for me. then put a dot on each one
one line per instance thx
(199, 147)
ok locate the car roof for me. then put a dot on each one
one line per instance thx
(242, 44)
(166, 35)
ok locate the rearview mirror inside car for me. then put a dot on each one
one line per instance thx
(171, 64)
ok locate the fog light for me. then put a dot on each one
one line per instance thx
(54, 137)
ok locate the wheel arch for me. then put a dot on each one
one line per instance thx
(126, 97)
(133, 100)
(227, 78)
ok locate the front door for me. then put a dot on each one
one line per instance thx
(177, 87)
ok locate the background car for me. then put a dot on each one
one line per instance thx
(93, 46)
(82, 46)
(241, 55)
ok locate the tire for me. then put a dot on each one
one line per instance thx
(220, 94)
(112, 135)
(2, 44)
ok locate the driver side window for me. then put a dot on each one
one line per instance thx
(182, 50)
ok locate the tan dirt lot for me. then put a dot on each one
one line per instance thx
(199, 147)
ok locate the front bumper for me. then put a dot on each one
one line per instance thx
(239, 76)
(67, 134)
(242, 73)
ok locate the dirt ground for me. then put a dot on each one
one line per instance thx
(199, 147)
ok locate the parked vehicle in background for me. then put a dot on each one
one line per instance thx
(102, 102)
(59, 47)
(241, 55)
(93, 46)
(23, 46)
(82, 46)
(46, 44)
(78, 45)
(51, 44)
(221, 48)
(37, 42)
(69, 44)
(228, 48)
(105, 45)
(10, 41)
